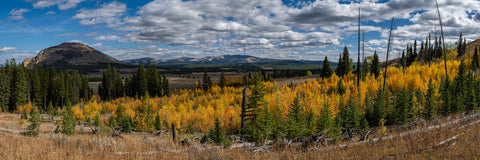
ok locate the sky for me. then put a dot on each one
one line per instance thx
(281, 29)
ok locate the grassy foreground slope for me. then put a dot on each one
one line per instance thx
(445, 138)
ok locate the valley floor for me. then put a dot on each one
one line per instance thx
(455, 137)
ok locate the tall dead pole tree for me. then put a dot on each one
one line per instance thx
(358, 61)
(388, 50)
(364, 66)
(244, 100)
(429, 52)
(443, 40)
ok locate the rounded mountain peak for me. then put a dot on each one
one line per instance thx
(69, 54)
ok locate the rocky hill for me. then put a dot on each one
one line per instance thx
(471, 46)
(70, 55)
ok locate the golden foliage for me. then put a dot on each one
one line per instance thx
(199, 108)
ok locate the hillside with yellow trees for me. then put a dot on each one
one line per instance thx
(333, 109)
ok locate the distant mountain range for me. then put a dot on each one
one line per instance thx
(229, 60)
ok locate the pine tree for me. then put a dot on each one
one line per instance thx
(341, 88)
(470, 96)
(379, 107)
(421, 53)
(475, 62)
(152, 78)
(254, 101)
(118, 87)
(160, 85)
(326, 70)
(84, 90)
(445, 97)
(460, 88)
(141, 81)
(35, 120)
(36, 88)
(166, 87)
(369, 110)
(339, 70)
(217, 134)
(223, 80)
(50, 109)
(346, 65)
(430, 101)
(68, 122)
(295, 119)
(460, 47)
(349, 117)
(97, 121)
(326, 121)
(403, 108)
(19, 89)
(5, 89)
(207, 83)
(157, 122)
(375, 65)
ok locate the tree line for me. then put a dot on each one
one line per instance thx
(43, 87)
(142, 82)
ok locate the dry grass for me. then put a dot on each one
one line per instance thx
(453, 141)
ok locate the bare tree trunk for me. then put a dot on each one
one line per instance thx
(388, 50)
(443, 41)
(174, 136)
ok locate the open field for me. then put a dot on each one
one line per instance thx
(453, 137)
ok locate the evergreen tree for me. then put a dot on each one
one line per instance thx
(470, 95)
(50, 109)
(37, 91)
(460, 48)
(295, 120)
(5, 89)
(152, 78)
(421, 53)
(349, 117)
(460, 88)
(339, 70)
(207, 83)
(68, 122)
(166, 87)
(223, 80)
(346, 64)
(254, 101)
(379, 107)
(475, 62)
(403, 108)
(157, 122)
(118, 87)
(97, 121)
(141, 81)
(326, 70)
(445, 97)
(217, 134)
(326, 121)
(375, 65)
(124, 121)
(430, 101)
(160, 85)
(35, 120)
(19, 89)
(341, 88)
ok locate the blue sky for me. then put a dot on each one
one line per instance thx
(282, 29)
